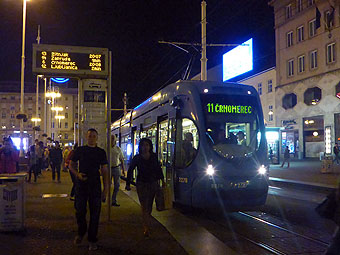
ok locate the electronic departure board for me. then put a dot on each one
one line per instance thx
(71, 61)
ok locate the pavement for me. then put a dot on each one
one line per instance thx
(50, 224)
(305, 173)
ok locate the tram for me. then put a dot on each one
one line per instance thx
(210, 140)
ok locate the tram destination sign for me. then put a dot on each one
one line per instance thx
(70, 61)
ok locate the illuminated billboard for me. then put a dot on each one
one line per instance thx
(70, 61)
(238, 60)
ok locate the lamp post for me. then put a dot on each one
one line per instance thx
(22, 76)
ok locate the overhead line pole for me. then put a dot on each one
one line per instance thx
(204, 42)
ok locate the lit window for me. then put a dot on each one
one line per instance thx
(301, 64)
(259, 88)
(270, 113)
(330, 53)
(289, 38)
(300, 34)
(312, 96)
(314, 59)
(290, 67)
(312, 28)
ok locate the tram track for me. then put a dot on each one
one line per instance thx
(285, 229)
(248, 234)
(275, 247)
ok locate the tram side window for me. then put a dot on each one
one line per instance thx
(187, 140)
(150, 133)
(126, 147)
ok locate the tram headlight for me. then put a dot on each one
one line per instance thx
(210, 170)
(262, 170)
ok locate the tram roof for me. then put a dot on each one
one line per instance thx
(179, 88)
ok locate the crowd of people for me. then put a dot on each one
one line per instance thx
(87, 165)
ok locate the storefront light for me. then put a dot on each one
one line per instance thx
(315, 133)
(328, 144)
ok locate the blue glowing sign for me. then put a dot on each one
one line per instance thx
(238, 61)
(60, 80)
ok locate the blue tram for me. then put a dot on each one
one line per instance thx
(210, 140)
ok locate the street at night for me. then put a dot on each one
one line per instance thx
(170, 127)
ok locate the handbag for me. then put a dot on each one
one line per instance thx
(328, 207)
(160, 199)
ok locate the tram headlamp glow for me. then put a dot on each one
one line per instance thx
(262, 170)
(210, 170)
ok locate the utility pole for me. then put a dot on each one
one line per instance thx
(37, 94)
(204, 42)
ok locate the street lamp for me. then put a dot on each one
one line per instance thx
(22, 76)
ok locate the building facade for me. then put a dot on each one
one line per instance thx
(307, 107)
(60, 130)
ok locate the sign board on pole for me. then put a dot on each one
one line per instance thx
(70, 61)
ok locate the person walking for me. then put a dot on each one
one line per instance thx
(9, 157)
(92, 161)
(117, 163)
(32, 163)
(56, 157)
(149, 173)
(65, 155)
(336, 153)
(286, 157)
(39, 150)
(73, 177)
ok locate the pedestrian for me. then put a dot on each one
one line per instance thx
(286, 157)
(336, 153)
(73, 177)
(149, 173)
(334, 246)
(9, 157)
(56, 157)
(271, 155)
(32, 163)
(39, 150)
(117, 164)
(92, 162)
(65, 155)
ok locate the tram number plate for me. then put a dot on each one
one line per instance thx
(239, 185)
(182, 180)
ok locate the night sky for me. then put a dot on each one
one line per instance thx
(131, 30)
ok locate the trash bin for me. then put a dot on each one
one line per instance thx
(12, 202)
(327, 165)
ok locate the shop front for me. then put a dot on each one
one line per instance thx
(313, 136)
(273, 143)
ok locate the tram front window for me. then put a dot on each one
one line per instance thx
(232, 124)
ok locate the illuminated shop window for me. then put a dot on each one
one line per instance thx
(289, 101)
(312, 96)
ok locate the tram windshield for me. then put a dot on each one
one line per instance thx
(232, 124)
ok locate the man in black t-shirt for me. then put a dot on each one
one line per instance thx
(92, 160)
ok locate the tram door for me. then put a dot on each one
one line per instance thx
(165, 151)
